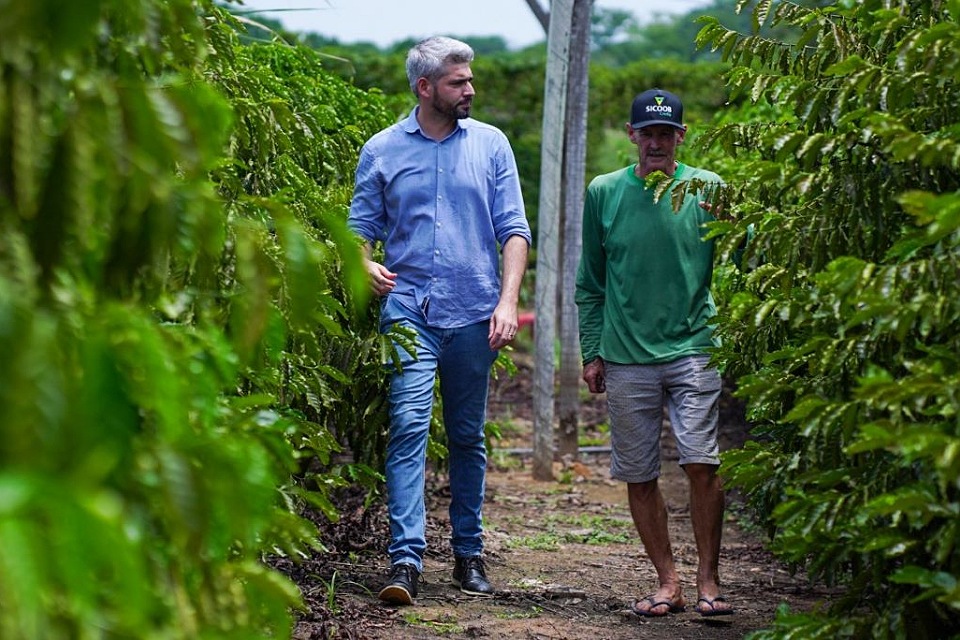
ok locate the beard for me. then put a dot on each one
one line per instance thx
(452, 110)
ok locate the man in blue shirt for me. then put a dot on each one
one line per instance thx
(442, 192)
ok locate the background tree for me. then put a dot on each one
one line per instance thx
(548, 234)
(574, 171)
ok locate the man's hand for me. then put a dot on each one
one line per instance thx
(503, 326)
(382, 280)
(593, 376)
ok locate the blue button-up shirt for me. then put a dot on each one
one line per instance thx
(442, 209)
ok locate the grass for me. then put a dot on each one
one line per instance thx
(445, 624)
(547, 541)
(507, 428)
(589, 529)
(503, 461)
(533, 612)
(598, 436)
(585, 520)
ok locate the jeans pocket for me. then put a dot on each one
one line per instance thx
(393, 310)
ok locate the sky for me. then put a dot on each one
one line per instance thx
(385, 22)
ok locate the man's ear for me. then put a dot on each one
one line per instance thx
(424, 88)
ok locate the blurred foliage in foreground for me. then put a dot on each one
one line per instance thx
(181, 322)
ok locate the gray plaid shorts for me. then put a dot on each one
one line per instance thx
(636, 394)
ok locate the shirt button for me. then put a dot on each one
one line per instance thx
(439, 197)
(437, 252)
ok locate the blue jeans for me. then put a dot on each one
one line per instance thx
(462, 357)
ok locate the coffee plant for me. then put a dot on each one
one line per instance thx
(844, 155)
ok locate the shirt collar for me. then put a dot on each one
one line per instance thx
(410, 124)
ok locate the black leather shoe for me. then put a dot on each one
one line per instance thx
(470, 575)
(401, 587)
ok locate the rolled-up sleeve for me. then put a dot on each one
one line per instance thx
(508, 213)
(368, 214)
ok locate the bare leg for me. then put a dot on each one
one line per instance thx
(650, 518)
(706, 512)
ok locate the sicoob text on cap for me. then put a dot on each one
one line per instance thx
(656, 106)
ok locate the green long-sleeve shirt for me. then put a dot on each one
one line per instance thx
(643, 285)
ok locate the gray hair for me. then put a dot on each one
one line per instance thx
(429, 58)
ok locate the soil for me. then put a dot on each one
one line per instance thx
(563, 555)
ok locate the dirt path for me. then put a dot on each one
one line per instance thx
(564, 556)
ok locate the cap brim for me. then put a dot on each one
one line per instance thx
(650, 123)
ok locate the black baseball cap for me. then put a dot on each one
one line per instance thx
(656, 106)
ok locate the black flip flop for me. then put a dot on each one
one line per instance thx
(648, 613)
(713, 611)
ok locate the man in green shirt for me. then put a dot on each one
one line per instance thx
(643, 293)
